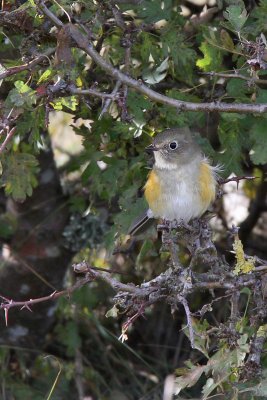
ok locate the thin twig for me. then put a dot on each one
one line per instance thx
(19, 68)
(8, 138)
(92, 92)
(189, 320)
(236, 179)
(9, 303)
(108, 101)
(236, 75)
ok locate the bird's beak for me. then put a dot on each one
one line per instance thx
(149, 149)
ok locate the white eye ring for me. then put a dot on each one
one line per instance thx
(173, 145)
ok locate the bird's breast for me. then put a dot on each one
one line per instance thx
(184, 193)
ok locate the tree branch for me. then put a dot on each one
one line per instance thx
(29, 66)
(10, 133)
(82, 42)
(236, 75)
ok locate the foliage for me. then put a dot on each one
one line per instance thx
(187, 59)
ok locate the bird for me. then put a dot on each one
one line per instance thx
(182, 183)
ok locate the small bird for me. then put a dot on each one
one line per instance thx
(182, 183)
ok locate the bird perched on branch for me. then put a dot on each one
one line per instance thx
(182, 183)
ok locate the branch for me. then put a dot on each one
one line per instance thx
(189, 320)
(108, 101)
(82, 42)
(10, 133)
(63, 88)
(9, 303)
(19, 68)
(93, 92)
(236, 179)
(236, 75)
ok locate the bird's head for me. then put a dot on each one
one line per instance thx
(173, 148)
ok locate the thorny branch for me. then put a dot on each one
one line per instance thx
(84, 44)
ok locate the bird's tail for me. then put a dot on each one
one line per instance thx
(141, 222)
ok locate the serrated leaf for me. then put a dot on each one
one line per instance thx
(157, 75)
(149, 47)
(22, 94)
(70, 102)
(178, 49)
(212, 60)
(44, 77)
(155, 10)
(258, 152)
(261, 96)
(138, 105)
(19, 175)
(232, 141)
(236, 15)
(238, 89)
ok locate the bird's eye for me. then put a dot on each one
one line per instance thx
(173, 145)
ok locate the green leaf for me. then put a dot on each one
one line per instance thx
(236, 15)
(175, 46)
(155, 10)
(232, 141)
(69, 102)
(45, 75)
(259, 149)
(212, 60)
(149, 46)
(261, 96)
(238, 89)
(22, 94)
(157, 75)
(69, 336)
(19, 175)
(138, 105)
